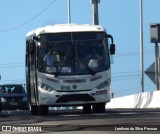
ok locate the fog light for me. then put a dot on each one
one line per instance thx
(101, 92)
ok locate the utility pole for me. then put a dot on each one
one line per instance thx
(157, 65)
(141, 47)
(95, 11)
(69, 12)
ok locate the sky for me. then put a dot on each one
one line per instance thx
(121, 18)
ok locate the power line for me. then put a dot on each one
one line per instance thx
(125, 72)
(118, 55)
(126, 77)
(128, 89)
(13, 81)
(9, 65)
(122, 76)
(18, 26)
(122, 90)
(131, 53)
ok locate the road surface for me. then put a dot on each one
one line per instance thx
(74, 121)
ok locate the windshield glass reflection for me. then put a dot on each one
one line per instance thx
(73, 55)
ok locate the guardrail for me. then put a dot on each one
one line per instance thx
(141, 100)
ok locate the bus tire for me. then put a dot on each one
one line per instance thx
(43, 110)
(34, 110)
(87, 108)
(99, 107)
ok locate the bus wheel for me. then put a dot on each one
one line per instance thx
(34, 110)
(87, 108)
(99, 107)
(43, 110)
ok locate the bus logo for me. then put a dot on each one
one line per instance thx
(74, 86)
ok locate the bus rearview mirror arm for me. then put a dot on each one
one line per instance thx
(110, 37)
(112, 46)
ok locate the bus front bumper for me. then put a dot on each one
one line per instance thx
(73, 99)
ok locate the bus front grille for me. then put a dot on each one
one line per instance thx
(74, 81)
(75, 97)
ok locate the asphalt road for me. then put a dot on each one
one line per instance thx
(114, 121)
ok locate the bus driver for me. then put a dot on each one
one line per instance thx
(50, 59)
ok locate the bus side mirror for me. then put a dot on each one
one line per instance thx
(112, 49)
(112, 46)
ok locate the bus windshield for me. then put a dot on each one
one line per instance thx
(75, 53)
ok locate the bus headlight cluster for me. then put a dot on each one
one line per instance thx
(24, 99)
(3, 100)
(104, 84)
(45, 87)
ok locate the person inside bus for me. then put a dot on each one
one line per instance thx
(2, 91)
(68, 56)
(18, 90)
(93, 55)
(50, 59)
(61, 58)
(9, 91)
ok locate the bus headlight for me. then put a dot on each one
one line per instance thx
(104, 84)
(3, 100)
(24, 99)
(45, 87)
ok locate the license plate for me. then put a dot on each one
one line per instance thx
(13, 103)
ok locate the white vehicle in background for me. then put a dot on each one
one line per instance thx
(78, 78)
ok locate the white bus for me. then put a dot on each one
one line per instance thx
(80, 74)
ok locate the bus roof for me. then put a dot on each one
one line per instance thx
(66, 28)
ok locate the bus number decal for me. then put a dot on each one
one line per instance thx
(65, 87)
